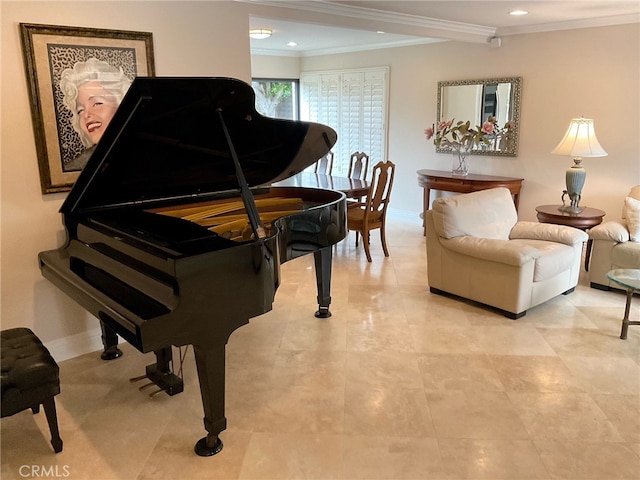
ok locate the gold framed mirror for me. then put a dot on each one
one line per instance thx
(476, 101)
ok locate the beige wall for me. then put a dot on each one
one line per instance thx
(275, 67)
(190, 38)
(588, 72)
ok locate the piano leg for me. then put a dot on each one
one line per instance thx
(210, 363)
(323, 259)
(109, 342)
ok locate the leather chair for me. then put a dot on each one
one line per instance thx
(30, 377)
(616, 244)
(371, 213)
(478, 250)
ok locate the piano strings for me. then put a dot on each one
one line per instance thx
(229, 219)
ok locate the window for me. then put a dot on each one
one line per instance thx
(277, 98)
(352, 102)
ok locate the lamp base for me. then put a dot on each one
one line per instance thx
(569, 209)
(574, 177)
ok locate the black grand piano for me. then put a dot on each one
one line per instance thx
(174, 236)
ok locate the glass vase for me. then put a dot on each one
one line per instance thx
(459, 164)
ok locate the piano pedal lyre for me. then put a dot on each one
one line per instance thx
(142, 387)
(155, 392)
(137, 379)
(161, 375)
(147, 385)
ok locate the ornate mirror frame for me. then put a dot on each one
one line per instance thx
(510, 149)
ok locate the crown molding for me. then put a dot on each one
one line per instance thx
(570, 25)
(368, 14)
(349, 49)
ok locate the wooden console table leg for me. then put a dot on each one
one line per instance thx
(426, 198)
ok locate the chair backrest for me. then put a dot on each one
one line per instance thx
(358, 165)
(380, 190)
(325, 164)
(633, 193)
(486, 214)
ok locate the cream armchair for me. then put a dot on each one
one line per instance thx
(477, 249)
(616, 244)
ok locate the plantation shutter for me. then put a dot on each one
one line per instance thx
(352, 102)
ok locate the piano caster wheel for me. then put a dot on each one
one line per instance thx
(323, 312)
(204, 450)
(111, 354)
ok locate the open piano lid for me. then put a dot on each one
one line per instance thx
(166, 142)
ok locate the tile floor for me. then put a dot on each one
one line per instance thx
(397, 384)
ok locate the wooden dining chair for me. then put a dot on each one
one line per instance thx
(371, 212)
(358, 165)
(325, 164)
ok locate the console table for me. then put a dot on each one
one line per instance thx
(447, 182)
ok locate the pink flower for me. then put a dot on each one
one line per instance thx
(487, 128)
(443, 125)
(428, 132)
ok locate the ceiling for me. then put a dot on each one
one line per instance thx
(324, 27)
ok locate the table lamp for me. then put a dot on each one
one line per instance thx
(579, 141)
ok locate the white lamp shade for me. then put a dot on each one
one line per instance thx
(580, 140)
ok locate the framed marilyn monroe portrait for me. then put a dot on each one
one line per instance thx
(76, 79)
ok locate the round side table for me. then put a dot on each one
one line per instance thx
(628, 278)
(589, 217)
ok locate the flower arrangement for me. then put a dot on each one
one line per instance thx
(461, 138)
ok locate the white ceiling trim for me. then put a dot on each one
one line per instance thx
(321, 6)
(347, 49)
(570, 25)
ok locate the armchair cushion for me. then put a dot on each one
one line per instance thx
(486, 214)
(632, 212)
(626, 255)
(549, 258)
(491, 249)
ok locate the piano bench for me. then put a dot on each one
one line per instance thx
(30, 377)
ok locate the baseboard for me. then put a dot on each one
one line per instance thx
(405, 216)
(75, 345)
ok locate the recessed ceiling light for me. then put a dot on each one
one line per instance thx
(379, 31)
(292, 44)
(518, 12)
(260, 33)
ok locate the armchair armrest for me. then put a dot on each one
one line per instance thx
(549, 232)
(491, 249)
(612, 231)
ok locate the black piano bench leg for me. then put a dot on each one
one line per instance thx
(110, 343)
(52, 420)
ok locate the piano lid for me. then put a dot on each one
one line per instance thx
(166, 141)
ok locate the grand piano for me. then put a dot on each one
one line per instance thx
(174, 234)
